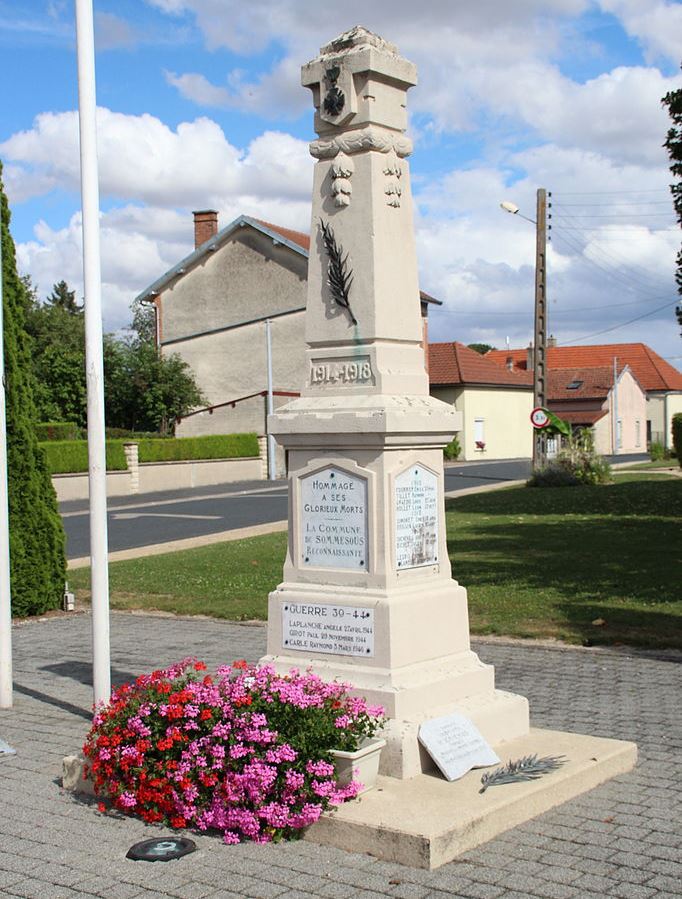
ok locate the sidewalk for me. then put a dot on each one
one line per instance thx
(622, 840)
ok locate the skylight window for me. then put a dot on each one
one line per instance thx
(574, 385)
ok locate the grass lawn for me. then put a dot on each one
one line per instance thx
(536, 563)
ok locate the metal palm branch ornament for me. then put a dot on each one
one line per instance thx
(530, 767)
(339, 276)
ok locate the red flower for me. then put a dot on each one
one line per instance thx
(199, 666)
(177, 821)
(240, 663)
(101, 807)
(205, 714)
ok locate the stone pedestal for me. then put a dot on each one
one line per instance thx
(367, 595)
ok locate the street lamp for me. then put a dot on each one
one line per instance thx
(540, 329)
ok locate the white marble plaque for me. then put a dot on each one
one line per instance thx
(323, 627)
(333, 520)
(456, 745)
(416, 517)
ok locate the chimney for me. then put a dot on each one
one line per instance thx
(205, 226)
(551, 342)
(530, 357)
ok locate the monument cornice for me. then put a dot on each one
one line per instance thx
(361, 140)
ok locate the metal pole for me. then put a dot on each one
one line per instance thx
(540, 335)
(5, 594)
(97, 469)
(272, 473)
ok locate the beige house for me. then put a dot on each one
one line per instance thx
(661, 381)
(212, 310)
(495, 403)
(616, 413)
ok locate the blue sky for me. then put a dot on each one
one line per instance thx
(201, 106)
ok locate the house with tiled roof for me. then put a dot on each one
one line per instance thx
(614, 411)
(495, 403)
(211, 309)
(661, 381)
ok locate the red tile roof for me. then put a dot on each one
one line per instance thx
(594, 383)
(454, 363)
(297, 237)
(581, 418)
(650, 369)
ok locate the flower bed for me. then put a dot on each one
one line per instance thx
(247, 752)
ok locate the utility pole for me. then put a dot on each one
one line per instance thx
(540, 335)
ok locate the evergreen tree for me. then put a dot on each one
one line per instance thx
(63, 298)
(36, 535)
(673, 144)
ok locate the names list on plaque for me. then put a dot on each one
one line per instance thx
(323, 627)
(416, 517)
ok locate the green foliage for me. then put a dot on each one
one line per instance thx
(577, 464)
(36, 535)
(144, 390)
(657, 451)
(677, 436)
(673, 144)
(57, 430)
(453, 449)
(481, 348)
(212, 446)
(71, 456)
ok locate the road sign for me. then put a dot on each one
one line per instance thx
(539, 417)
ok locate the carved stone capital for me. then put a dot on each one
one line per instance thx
(358, 141)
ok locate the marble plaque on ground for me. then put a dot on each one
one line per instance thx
(416, 517)
(324, 627)
(456, 745)
(333, 520)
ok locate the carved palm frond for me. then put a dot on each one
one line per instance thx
(530, 767)
(339, 276)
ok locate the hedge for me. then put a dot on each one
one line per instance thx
(58, 430)
(677, 436)
(70, 456)
(211, 446)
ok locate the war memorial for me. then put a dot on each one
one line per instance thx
(368, 594)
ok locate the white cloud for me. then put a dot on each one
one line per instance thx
(195, 87)
(657, 24)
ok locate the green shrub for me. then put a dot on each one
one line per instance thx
(453, 450)
(70, 456)
(116, 433)
(677, 436)
(58, 430)
(211, 446)
(577, 464)
(657, 451)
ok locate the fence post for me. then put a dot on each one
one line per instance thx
(132, 461)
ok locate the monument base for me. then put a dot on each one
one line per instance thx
(426, 821)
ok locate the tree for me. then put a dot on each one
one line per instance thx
(63, 298)
(36, 535)
(481, 348)
(57, 329)
(673, 144)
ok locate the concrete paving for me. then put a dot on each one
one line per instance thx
(622, 839)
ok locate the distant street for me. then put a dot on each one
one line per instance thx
(136, 521)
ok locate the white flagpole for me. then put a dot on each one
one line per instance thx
(97, 469)
(5, 595)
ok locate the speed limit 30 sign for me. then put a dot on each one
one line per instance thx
(539, 417)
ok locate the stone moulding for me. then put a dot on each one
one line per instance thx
(360, 140)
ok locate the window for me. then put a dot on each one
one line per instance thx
(479, 433)
(619, 433)
(574, 385)
(638, 433)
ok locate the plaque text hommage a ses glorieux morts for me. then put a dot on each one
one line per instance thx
(333, 520)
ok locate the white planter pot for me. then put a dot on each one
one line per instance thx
(361, 765)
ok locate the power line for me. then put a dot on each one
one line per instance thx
(621, 325)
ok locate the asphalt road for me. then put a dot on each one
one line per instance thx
(179, 514)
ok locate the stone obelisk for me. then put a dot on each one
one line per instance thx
(367, 594)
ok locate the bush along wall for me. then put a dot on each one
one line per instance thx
(58, 430)
(36, 535)
(71, 456)
(677, 436)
